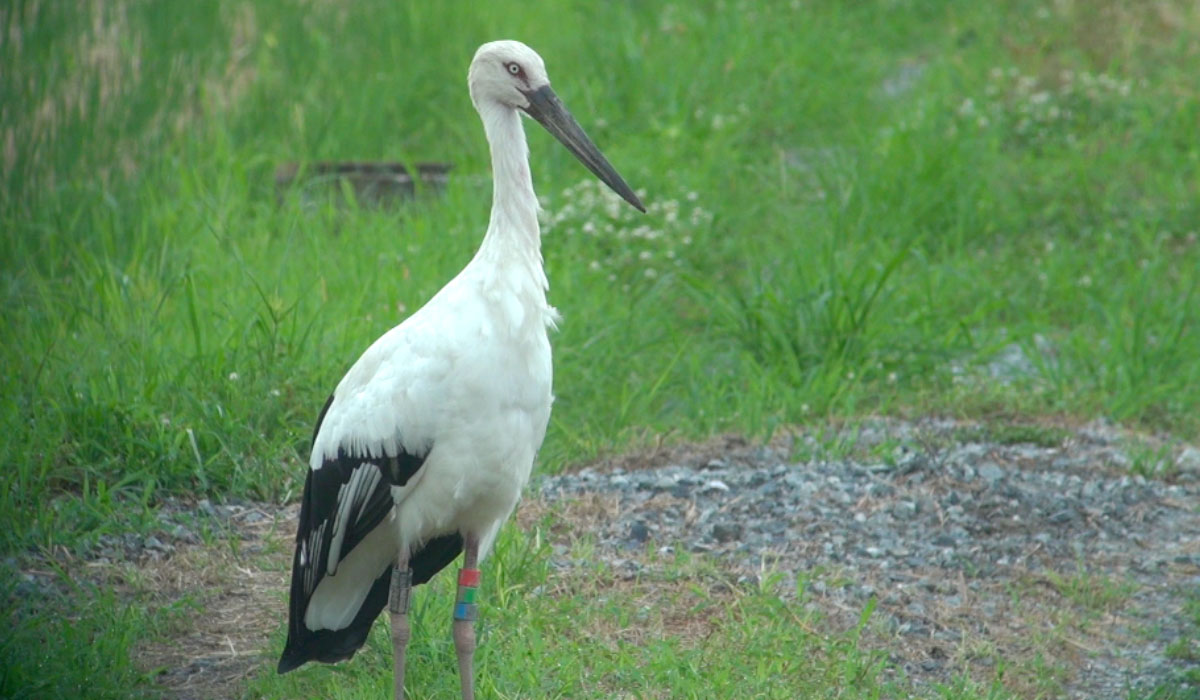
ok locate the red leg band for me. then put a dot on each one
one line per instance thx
(468, 577)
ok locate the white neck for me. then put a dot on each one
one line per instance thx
(513, 229)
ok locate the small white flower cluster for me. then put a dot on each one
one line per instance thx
(1041, 110)
(622, 243)
(717, 121)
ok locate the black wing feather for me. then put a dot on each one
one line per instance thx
(368, 508)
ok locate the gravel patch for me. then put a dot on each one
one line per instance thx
(973, 548)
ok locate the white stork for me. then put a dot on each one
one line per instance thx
(425, 445)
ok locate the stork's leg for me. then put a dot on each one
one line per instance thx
(398, 607)
(465, 613)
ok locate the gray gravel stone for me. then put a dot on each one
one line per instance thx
(727, 532)
(1189, 459)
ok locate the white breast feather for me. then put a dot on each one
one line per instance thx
(472, 350)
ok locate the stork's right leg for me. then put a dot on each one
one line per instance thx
(464, 616)
(398, 607)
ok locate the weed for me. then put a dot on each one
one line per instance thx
(1091, 591)
(1014, 434)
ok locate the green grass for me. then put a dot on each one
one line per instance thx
(588, 635)
(886, 195)
(1015, 434)
(1187, 647)
(91, 642)
(1090, 590)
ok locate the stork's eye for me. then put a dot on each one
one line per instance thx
(514, 68)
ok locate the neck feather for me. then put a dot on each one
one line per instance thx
(513, 228)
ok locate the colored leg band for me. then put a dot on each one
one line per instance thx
(401, 591)
(466, 611)
(468, 585)
(468, 577)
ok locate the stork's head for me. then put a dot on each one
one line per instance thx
(509, 74)
(506, 72)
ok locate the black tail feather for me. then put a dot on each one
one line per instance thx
(330, 646)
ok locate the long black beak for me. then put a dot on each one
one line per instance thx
(550, 112)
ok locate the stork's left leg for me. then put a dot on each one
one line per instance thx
(398, 599)
(465, 613)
